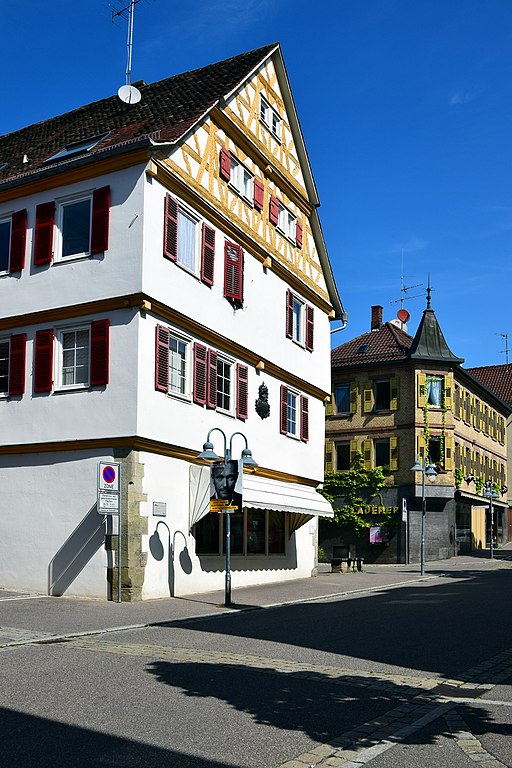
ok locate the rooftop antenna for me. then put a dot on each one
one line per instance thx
(404, 288)
(128, 92)
(505, 336)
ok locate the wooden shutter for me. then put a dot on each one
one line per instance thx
(422, 389)
(354, 392)
(17, 348)
(310, 326)
(448, 391)
(200, 376)
(100, 345)
(259, 194)
(233, 271)
(329, 456)
(18, 241)
(421, 445)
(162, 358)
(394, 388)
(273, 211)
(289, 314)
(207, 254)
(283, 412)
(43, 237)
(329, 405)
(242, 391)
(368, 398)
(225, 164)
(448, 452)
(353, 451)
(367, 453)
(211, 389)
(100, 219)
(171, 228)
(298, 234)
(43, 361)
(304, 418)
(393, 454)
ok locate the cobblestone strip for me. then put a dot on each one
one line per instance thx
(468, 743)
(13, 635)
(490, 672)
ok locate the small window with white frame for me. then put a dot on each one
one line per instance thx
(5, 243)
(287, 223)
(270, 118)
(298, 315)
(74, 217)
(74, 357)
(241, 180)
(293, 414)
(179, 374)
(189, 232)
(225, 398)
(4, 367)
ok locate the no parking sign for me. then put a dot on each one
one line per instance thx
(108, 488)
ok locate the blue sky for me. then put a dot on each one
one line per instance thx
(406, 110)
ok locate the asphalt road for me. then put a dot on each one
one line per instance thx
(416, 675)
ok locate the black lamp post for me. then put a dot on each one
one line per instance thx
(427, 470)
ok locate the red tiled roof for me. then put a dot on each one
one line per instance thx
(497, 378)
(386, 345)
(168, 108)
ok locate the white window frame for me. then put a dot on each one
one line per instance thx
(59, 338)
(230, 364)
(59, 239)
(286, 223)
(271, 119)
(241, 180)
(7, 220)
(292, 393)
(185, 210)
(6, 340)
(298, 321)
(187, 341)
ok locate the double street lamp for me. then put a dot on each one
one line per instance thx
(427, 470)
(209, 455)
(491, 493)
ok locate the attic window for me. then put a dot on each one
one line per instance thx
(77, 148)
(362, 348)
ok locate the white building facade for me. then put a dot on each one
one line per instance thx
(164, 276)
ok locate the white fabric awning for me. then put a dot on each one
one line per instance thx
(262, 493)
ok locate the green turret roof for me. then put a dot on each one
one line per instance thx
(429, 342)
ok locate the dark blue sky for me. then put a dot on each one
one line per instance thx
(406, 111)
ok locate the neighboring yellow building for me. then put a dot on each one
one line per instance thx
(397, 398)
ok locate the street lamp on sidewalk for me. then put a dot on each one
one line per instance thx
(491, 493)
(427, 470)
(209, 455)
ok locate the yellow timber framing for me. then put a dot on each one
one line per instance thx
(135, 443)
(164, 176)
(145, 303)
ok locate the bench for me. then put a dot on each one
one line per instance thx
(342, 554)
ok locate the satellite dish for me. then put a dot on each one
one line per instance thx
(129, 94)
(403, 315)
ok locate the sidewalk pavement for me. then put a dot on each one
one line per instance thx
(28, 617)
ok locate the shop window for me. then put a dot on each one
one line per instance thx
(252, 532)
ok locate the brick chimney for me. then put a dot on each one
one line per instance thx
(376, 318)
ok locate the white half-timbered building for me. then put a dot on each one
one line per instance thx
(162, 273)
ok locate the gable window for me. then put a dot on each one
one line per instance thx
(286, 222)
(77, 147)
(342, 397)
(241, 179)
(299, 321)
(270, 118)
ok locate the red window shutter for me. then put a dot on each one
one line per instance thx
(17, 364)
(200, 355)
(283, 416)
(233, 271)
(211, 395)
(208, 254)
(225, 164)
(259, 194)
(100, 219)
(310, 326)
(43, 361)
(18, 241)
(242, 391)
(298, 234)
(304, 419)
(100, 343)
(273, 211)
(289, 314)
(162, 358)
(171, 228)
(43, 238)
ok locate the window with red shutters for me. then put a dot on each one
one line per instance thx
(225, 164)
(200, 373)
(298, 234)
(211, 398)
(273, 211)
(259, 194)
(208, 254)
(242, 391)
(304, 419)
(43, 237)
(18, 241)
(283, 413)
(43, 361)
(100, 344)
(100, 219)
(18, 344)
(162, 358)
(171, 228)
(310, 324)
(233, 272)
(289, 314)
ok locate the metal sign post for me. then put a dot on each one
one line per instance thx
(109, 503)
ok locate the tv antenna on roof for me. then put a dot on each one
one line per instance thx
(128, 92)
(404, 288)
(505, 336)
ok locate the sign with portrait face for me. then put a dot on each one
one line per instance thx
(226, 486)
